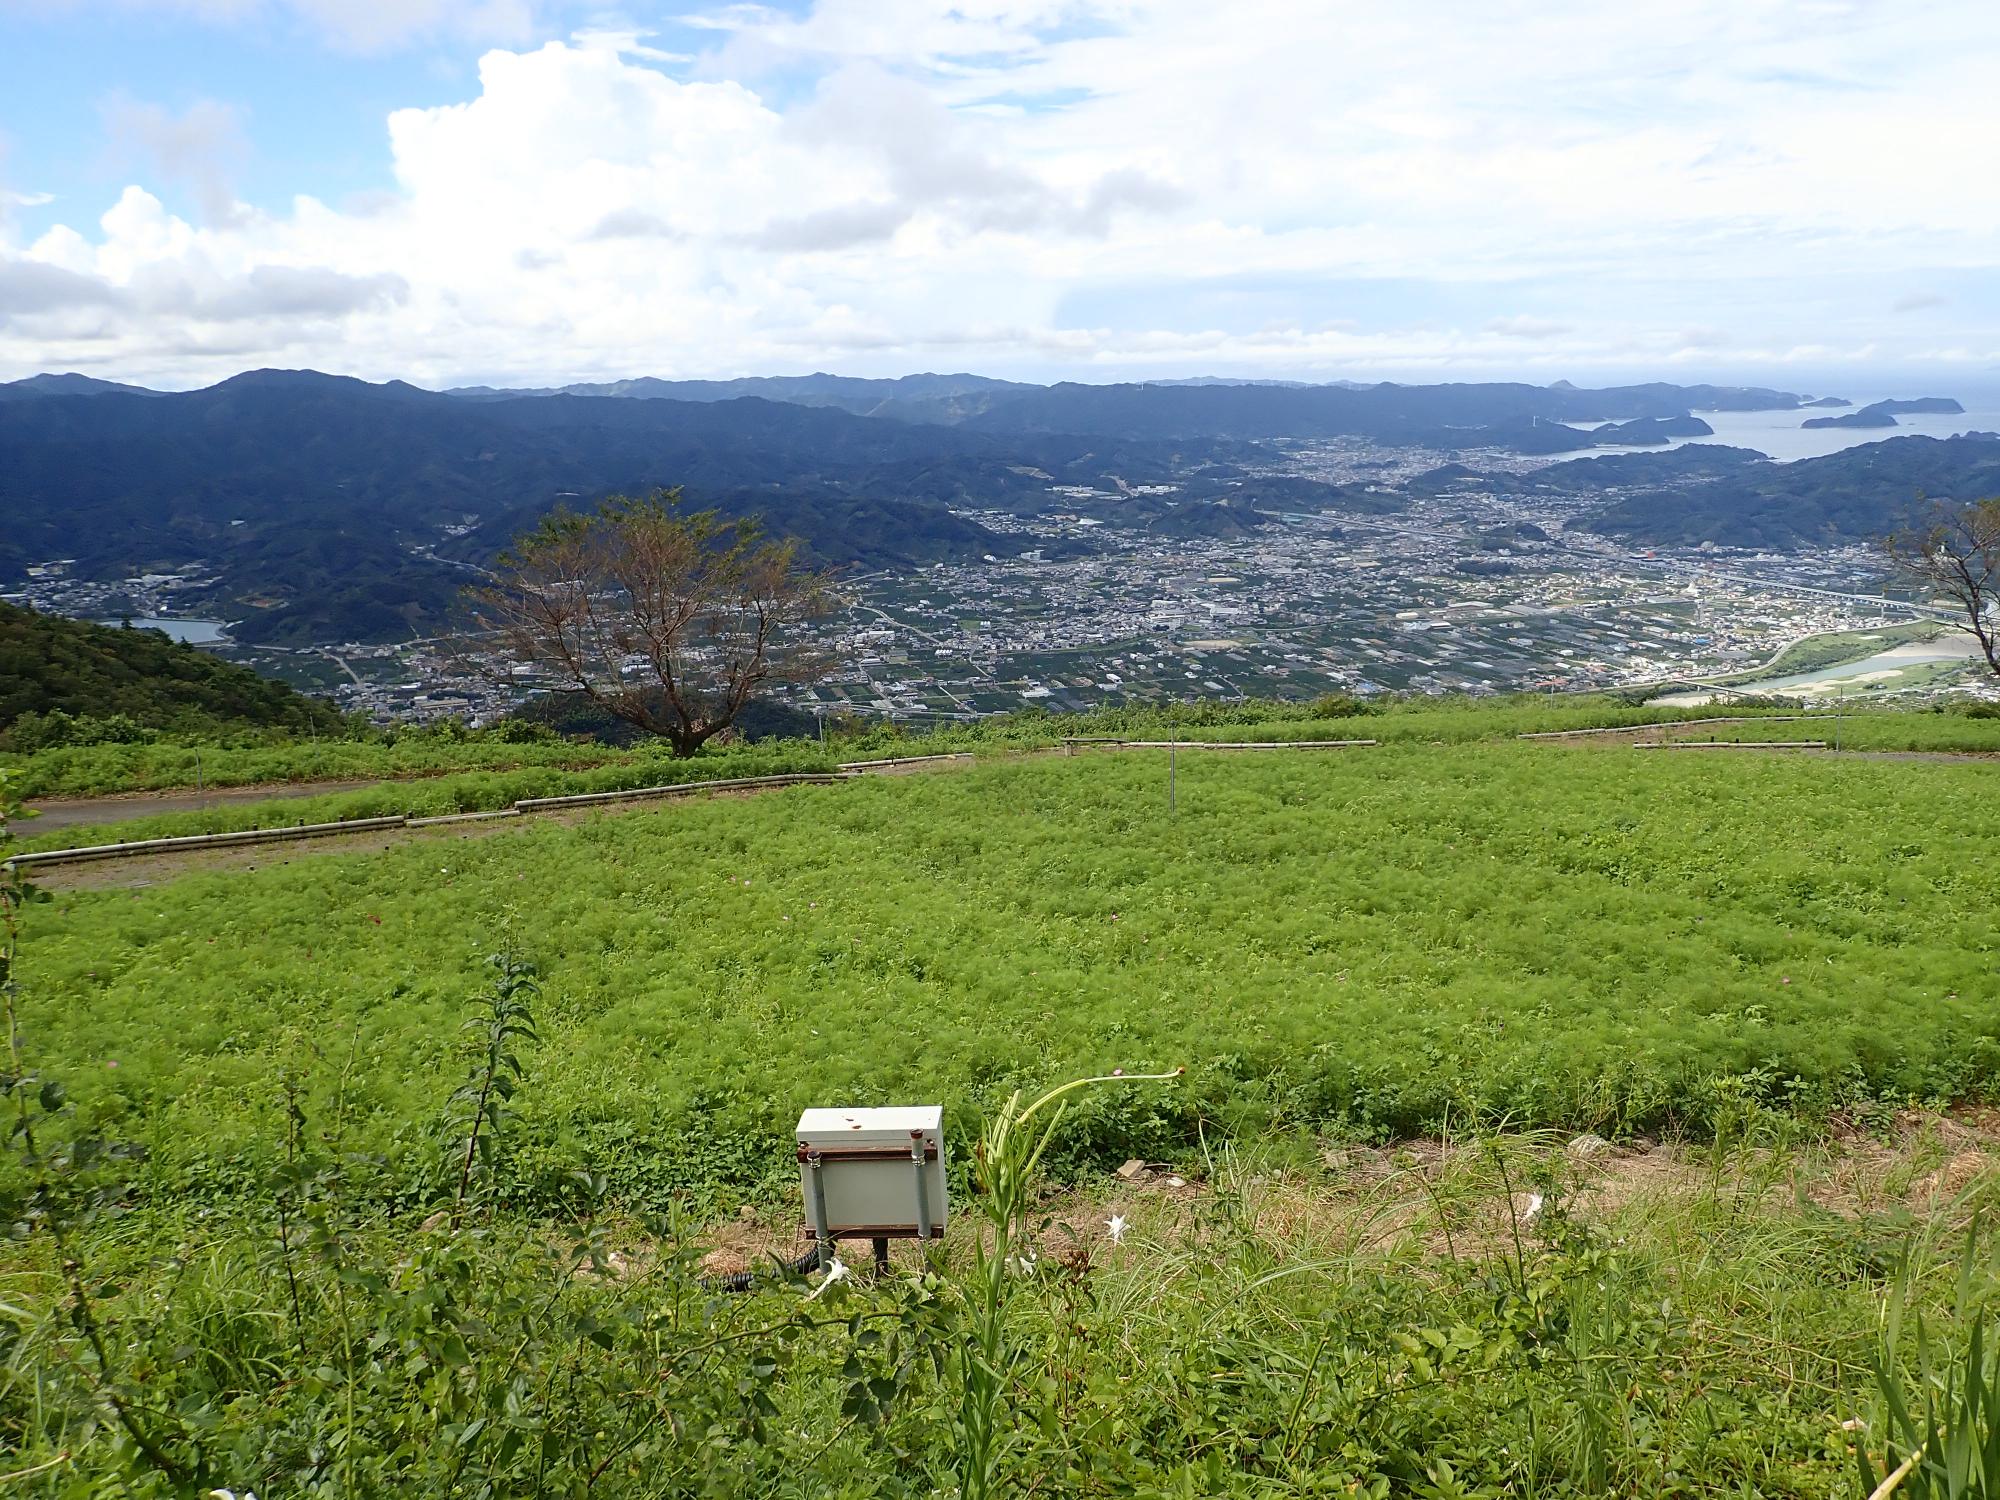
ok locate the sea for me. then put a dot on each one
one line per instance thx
(1779, 435)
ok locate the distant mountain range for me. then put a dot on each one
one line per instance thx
(1524, 418)
(325, 509)
(67, 385)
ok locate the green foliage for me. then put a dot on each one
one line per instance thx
(402, 755)
(469, 791)
(161, 762)
(237, 1109)
(1938, 1412)
(33, 731)
(1371, 942)
(988, 1362)
(92, 684)
(481, 1109)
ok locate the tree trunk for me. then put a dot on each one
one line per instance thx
(687, 742)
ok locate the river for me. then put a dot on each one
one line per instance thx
(1852, 675)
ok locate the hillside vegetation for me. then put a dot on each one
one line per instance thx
(311, 1198)
(50, 665)
(1366, 941)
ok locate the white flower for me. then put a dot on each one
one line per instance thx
(1116, 1224)
(836, 1270)
(1534, 1207)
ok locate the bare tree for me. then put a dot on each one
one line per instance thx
(1955, 552)
(670, 619)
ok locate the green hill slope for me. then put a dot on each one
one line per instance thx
(1377, 940)
(52, 665)
(318, 1276)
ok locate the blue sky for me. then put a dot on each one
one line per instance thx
(469, 190)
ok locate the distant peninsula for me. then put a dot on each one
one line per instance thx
(1884, 413)
(1942, 405)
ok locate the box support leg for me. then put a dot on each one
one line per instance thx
(923, 1185)
(820, 1236)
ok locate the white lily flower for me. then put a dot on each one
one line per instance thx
(836, 1270)
(1116, 1224)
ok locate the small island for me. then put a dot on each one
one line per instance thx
(1938, 405)
(1868, 416)
(1884, 413)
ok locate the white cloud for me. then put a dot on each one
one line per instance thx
(1131, 185)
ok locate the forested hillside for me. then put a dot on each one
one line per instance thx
(1687, 496)
(50, 665)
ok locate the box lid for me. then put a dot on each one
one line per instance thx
(833, 1127)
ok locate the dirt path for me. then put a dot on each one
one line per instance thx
(1447, 1198)
(77, 812)
(157, 869)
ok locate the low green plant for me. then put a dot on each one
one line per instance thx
(1939, 1397)
(1010, 1149)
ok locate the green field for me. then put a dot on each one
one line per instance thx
(428, 774)
(1365, 941)
(444, 793)
(1400, 980)
(95, 770)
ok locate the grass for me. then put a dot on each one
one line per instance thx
(434, 796)
(1484, 1315)
(99, 770)
(1368, 942)
(1382, 969)
(430, 775)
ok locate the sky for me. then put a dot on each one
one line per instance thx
(1796, 192)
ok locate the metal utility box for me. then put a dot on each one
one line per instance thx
(875, 1174)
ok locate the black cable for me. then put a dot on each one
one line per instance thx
(743, 1281)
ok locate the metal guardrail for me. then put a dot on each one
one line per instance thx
(138, 848)
(1071, 744)
(1571, 734)
(675, 789)
(862, 767)
(1733, 745)
(206, 841)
